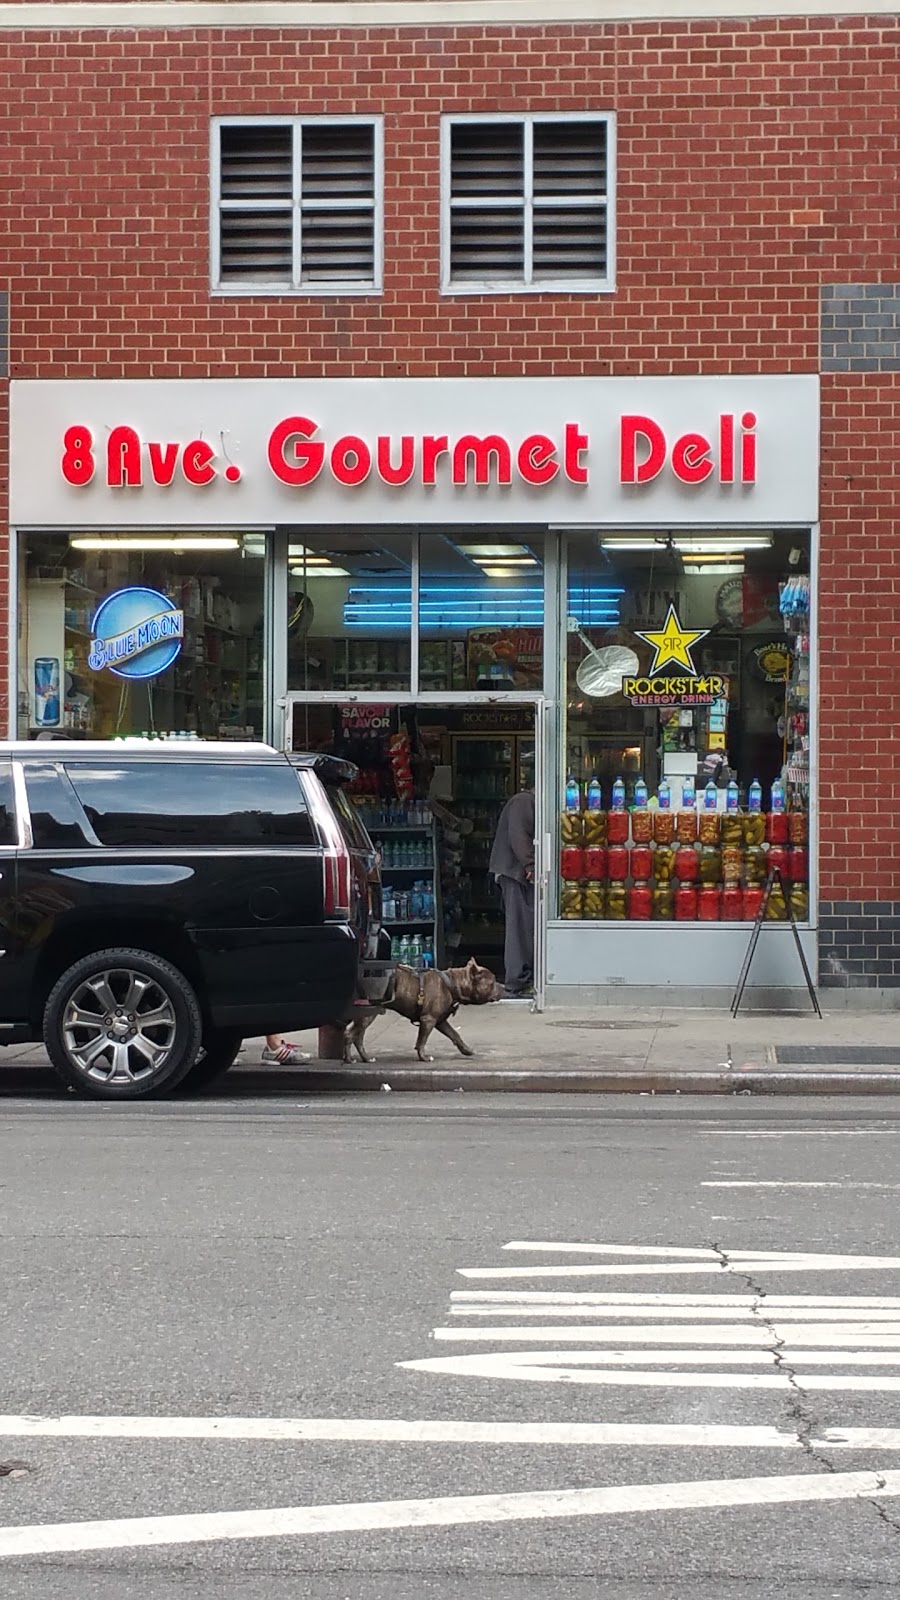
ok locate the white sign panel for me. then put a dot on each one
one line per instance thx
(622, 452)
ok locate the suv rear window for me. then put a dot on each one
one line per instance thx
(188, 804)
(354, 833)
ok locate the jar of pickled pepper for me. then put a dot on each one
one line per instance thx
(732, 828)
(640, 901)
(594, 861)
(663, 863)
(642, 825)
(776, 908)
(664, 902)
(686, 827)
(687, 864)
(641, 862)
(571, 863)
(777, 858)
(798, 827)
(751, 900)
(617, 827)
(732, 903)
(595, 827)
(732, 863)
(710, 827)
(685, 903)
(754, 867)
(617, 862)
(709, 902)
(663, 826)
(616, 902)
(753, 825)
(800, 902)
(798, 864)
(776, 827)
(571, 827)
(594, 900)
(571, 902)
(710, 864)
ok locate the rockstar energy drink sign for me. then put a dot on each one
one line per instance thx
(688, 691)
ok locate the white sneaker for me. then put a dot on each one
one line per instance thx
(286, 1055)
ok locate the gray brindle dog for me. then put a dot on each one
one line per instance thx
(428, 1000)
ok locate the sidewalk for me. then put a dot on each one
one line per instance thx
(623, 1050)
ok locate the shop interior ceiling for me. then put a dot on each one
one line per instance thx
(375, 552)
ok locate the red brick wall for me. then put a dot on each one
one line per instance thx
(756, 162)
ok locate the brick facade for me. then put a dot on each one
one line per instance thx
(757, 221)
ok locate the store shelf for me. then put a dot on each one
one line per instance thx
(424, 872)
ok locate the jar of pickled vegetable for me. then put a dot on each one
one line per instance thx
(595, 827)
(663, 863)
(617, 827)
(798, 827)
(800, 902)
(732, 863)
(687, 864)
(595, 861)
(710, 864)
(732, 903)
(709, 902)
(776, 908)
(777, 858)
(616, 902)
(710, 827)
(571, 863)
(686, 827)
(640, 902)
(754, 827)
(754, 867)
(685, 903)
(664, 902)
(617, 862)
(663, 826)
(751, 900)
(641, 862)
(571, 827)
(594, 900)
(571, 902)
(798, 864)
(777, 827)
(642, 825)
(732, 828)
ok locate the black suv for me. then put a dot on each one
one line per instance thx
(160, 901)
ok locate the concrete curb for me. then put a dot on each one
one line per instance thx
(485, 1080)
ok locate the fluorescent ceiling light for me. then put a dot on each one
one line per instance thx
(700, 544)
(507, 561)
(149, 542)
(319, 572)
(492, 552)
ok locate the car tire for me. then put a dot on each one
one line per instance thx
(218, 1052)
(121, 1025)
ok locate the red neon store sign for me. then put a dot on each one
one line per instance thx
(297, 457)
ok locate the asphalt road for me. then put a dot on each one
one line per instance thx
(170, 1269)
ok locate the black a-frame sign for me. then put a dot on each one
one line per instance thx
(774, 875)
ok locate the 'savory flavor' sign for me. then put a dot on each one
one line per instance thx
(249, 452)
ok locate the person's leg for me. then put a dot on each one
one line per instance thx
(518, 912)
(282, 1051)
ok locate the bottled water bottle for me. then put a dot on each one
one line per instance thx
(618, 795)
(732, 797)
(640, 794)
(665, 795)
(688, 795)
(573, 794)
(778, 795)
(595, 794)
(710, 797)
(755, 796)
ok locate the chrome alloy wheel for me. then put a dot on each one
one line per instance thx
(119, 1026)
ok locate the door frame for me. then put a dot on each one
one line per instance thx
(466, 699)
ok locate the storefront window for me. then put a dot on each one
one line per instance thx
(140, 634)
(687, 727)
(481, 610)
(350, 610)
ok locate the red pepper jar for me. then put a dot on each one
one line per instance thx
(687, 864)
(617, 827)
(571, 863)
(776, 827)
(732, 903)
(617, 860)
(642, 826)
(641, 862)
(685, 903)
(709, 901)
(640, 901)
(752, 898)
(798, 864)
(595, 862)
(777, 856)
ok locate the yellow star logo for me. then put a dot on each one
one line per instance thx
(673, 643)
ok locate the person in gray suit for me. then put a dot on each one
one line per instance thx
(512, 864)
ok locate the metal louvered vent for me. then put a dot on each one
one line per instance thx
(528, 203)
(297, 205)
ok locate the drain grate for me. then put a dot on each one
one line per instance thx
(840, 1055)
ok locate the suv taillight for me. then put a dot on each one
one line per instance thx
(336, 867)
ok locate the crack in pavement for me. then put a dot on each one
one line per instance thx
(803, 1418)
